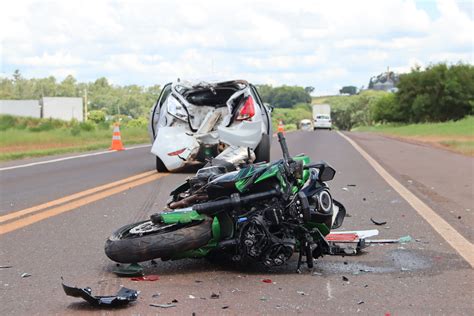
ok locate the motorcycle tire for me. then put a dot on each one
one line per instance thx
(165, 242)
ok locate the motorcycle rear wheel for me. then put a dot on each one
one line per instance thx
(144, 240)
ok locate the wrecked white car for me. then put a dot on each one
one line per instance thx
(195, 122)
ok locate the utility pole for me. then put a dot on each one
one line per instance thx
(85, 104)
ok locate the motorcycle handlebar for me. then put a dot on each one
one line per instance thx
(284, 147)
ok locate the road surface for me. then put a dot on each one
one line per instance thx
(70, 208)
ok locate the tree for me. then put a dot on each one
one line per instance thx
(68, 87)
(283, 96)
(309, 89)
(350, 90)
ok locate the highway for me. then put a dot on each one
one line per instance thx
(55, 218)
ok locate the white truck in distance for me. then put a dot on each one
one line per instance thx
(322, 116)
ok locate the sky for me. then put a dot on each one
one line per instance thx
(323, 44)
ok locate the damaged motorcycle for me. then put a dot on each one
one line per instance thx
(261, 213)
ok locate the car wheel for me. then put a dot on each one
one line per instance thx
(160, 166)
(262, 152)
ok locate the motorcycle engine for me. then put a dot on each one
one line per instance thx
(264, 240)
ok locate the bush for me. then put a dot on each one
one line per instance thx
(75, 130)
(87, 126)
(138, 122)
(6, 122)
(96, 116)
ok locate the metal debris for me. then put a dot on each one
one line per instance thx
(163, 305)
(345, 279)
(25, 275)
(6, 267)
(215, 296)
(123, 296)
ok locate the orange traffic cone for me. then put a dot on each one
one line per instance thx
(116, 139)
(281, 127)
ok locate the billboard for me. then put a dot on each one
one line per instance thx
(21, 108)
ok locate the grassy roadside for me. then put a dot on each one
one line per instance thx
(18, 144)
(457, 136)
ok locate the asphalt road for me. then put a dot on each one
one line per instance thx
(425, 276)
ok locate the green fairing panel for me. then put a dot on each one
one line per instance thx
(321, 227)
(181, 216)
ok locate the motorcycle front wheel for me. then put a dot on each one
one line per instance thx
(145, 240)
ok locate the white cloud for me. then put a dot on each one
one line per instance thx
(322, 44)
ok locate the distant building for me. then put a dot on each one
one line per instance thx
(62, 108)
(29, 108)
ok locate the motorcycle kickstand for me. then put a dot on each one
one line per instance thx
(300, 259)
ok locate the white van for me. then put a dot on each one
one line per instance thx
(322, 116)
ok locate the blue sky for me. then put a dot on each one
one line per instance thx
(324, 44)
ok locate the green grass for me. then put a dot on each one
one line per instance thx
(18, 144)
(456, 135)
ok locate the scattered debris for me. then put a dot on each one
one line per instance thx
(459, 217)
(404, 269)
(377, 222)
(6, 267)
(174, 301)
(360, 302)
(25, 275)
(225, 307)
(123, 296)
(156, 295)
(267, 281)
(263, 298)
(197, 281)
(402, 240)
(345, 279)
(151, 277)
(192, 297)
(351, 185)
(163, 305)
(345, 189)
(301, 293)
(214, 296)
(131, 270)
(395, 201)
(364, 199)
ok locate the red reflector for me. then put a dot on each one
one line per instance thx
(347, 237)
(247, 111)
(176, 153)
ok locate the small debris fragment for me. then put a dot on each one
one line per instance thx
(174, 301)
(364, 199)
(404, 269)
(25, 275)
(6, 267)
(267, 281)
(132, 270)
(351, 185)
(156, 295)
(345, 279)
(163, 305)
(360, 302)
(345, 189)
(317, 273)
(345, 262)
(225, 307)
(459, 217)
(197, 281)
(405, 239)
(301, 293)
(263, 298)
(214, 296)
(151, 277)
(192, 297)
(377, 222)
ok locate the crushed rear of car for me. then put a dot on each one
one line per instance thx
(193, 122)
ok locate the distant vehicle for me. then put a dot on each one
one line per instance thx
(306, 125)
(322, 116)
(194, 122)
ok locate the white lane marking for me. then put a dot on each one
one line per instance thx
(463, 246)
(69, 158)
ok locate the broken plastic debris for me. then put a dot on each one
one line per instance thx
(345, 279)
(174, 301)
(163, 305)
(360, 302)
(402, 240)
(345, 189)
(25, 275)
(151, 277)
(267, 281)
(215, 296)
(351, 185)
(225, 307)
(192, 297)
(6, 267)
(377, 222)
(131, 270)
(301, 293)
(123, 296)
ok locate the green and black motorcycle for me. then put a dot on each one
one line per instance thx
(262, 213)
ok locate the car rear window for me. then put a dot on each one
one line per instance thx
(324, 117)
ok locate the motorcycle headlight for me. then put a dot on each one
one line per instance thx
(325, 201)
(176, 109)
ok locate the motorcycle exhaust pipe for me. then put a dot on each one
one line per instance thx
(235, 201)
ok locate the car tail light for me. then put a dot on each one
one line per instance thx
(247, 111)
(176, 153)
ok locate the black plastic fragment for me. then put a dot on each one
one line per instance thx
(377, 222)
(122, 298)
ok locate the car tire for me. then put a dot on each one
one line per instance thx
(262, 152)
(160, 166)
